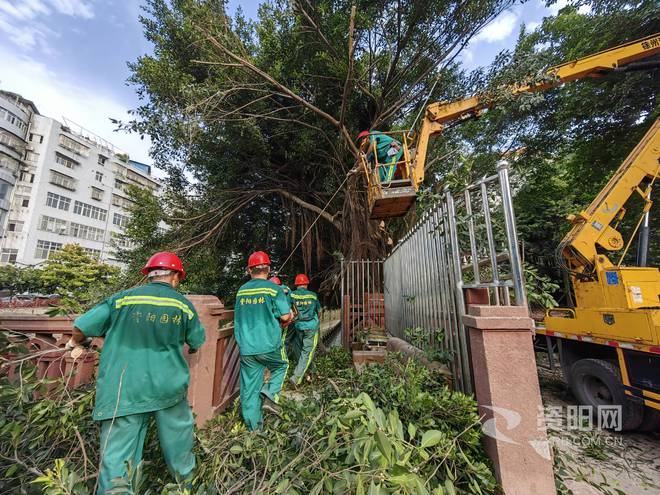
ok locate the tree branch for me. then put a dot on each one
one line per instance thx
(319, 211)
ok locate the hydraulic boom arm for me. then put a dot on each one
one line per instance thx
(592, 226)
(437, 114)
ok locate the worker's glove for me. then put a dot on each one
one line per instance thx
(72, 344)
(392, 151)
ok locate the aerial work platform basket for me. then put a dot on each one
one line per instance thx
(395, 197)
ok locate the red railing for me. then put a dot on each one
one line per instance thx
(214, 368)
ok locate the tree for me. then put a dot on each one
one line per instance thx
(572, 137)
(77, 278)
(17, 280)
(255, 121)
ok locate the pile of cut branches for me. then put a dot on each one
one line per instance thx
(395, 429)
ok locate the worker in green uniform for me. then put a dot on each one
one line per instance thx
(383, 149)
(307, 327)
(143, 372)
(260, 307)
(288, 333)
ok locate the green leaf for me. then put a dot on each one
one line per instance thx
(431, 438)
(412, 429)
(384, 445)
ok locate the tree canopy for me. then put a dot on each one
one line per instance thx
(254, 121)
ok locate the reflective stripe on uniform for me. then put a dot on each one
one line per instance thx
(309, 358)
(255, 292)
(155, 301)
(306, 296)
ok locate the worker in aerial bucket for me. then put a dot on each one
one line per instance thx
(306, 328)
(143, 372)
(260, 307)
(383, 149)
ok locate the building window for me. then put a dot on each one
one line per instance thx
(31, 156)
(102, 159)
(62, 180)
(25, 202)
(9, 163)
(86, 232)
(5, 188)
(72, 145)
(52, 224)
(65, 161)
(121, 185)
(12, 142)
(13, 119)
(8, 256)
(56, 201)
(98, 176)
(121, 201)
(15, 226)
(90, 211)
(26, 176)
(46, 248)
(94, 253)
(120, 220)
(97, 193)
(121, 241)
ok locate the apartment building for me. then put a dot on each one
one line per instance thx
(71, 188)
(15, 116)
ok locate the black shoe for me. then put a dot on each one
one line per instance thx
(270, 407)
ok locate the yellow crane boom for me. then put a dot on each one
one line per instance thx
(592, 227)
(596, 65)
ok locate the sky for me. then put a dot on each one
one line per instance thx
(70, 56)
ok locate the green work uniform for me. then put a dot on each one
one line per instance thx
(289, 333)
(387, 163)
(259, 305)
(306, 329)
(143, 371)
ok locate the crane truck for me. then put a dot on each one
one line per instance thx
(609, 341)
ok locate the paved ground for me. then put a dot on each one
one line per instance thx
(595, 461)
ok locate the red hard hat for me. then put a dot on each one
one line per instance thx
(275, 280)
(362, 135)
(166, 261)
(301, 279)
(258, 258)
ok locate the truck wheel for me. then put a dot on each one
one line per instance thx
(651, 421)
(596, 382)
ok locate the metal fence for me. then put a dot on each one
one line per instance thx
(465, 240)
(362, 299)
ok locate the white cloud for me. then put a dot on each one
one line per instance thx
(531, 26)
(499, 29)
(58, 96)
(24, 21)
(560, 4)
(557, 6)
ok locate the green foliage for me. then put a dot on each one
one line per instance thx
(396, 428)
(571, 138)
(78, 278)
(18, 280)
(254, 120)
(61, 481)
(432, 342)
(540, 288)
(36, 427)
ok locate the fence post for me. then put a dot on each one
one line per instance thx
(511, 235)
(509, 398)
(466, 379)
(203, 362)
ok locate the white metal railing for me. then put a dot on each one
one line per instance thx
(464, 241)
